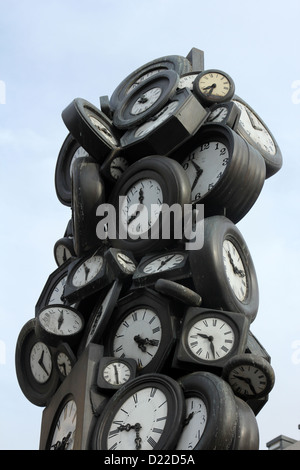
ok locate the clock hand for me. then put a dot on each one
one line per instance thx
(141, 196)
(116, 374)
(252, 121)
(188, 419)
(86, 270)
(165, 262)
(142, 342)
(210, 88)
(240, 272)
(41, 363)
(210, 339)
(137, 427)
(247, 380)
(199, 172)
(63, 444)
(63, 365)
(60, 319)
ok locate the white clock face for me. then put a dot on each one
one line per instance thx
(146, 100)
(40, 362)
(87, 271)
(105, 132)
(250, 125)
(163, 263)
(141, 207)
(80, 152)
(195, 422)
(187, 81)
(205, 166)
(138, 336)
(56, 294)
(218, 115)
(127, 264)
(210, 339)
(116, 373)
(118, 166)
(235, 270)
(156, 120)
(61, 321)
(140, 421)
(64, 364)
(64, 432)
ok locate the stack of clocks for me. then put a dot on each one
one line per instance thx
(141, 338)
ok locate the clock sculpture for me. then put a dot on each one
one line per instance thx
(138, 341)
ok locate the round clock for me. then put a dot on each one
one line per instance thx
(100, 315)
(209, 338)
(145, 414)
(64, 359)
(225, 113)
(172, 265)
(142, 328)
(213, 86)
(225, 172)
(115, 372)
(249, 376)
(57, 323)
(70, 150)
(136, 78)
(114, 166)
(187, 80)
(146, 100)
(36, 374)
(64, 426)
(91, 128)
(63, 250)
(211, 415)
(147, 186)
(225, 263)
(252, 128)
(86, 275)
(87, 194)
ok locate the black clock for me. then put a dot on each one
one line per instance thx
(225, 113)
(211, 414)
(35, 368)
(64, 359)
(225, 172)
(252, 128)
(172, 265)
(91, 128)
(249, 376)
(136, 78)
(63, 250)
(145, 414)
(223, 270)
(142, 327)
(88, 192)
(100, 315)
(209, 338)
(213, 86)
(57, 323)
(70, 150)
(146, 188)
(146, 100)
(86, 275)
(166, 130)
(114, 166)
(114, 372)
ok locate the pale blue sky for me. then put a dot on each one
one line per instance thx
(52, 52)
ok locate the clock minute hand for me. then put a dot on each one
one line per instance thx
(41, 363)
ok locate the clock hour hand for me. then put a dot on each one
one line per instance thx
(86, 270)
(41, 363)
(199, 172)
(210, 88)
(247, 380)
(240, 272)
(60, 319)
(63, 444)
(253, 123)
(210, 339)
(137, 427)
(116, 374)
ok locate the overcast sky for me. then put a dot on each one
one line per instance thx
(55, 51)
